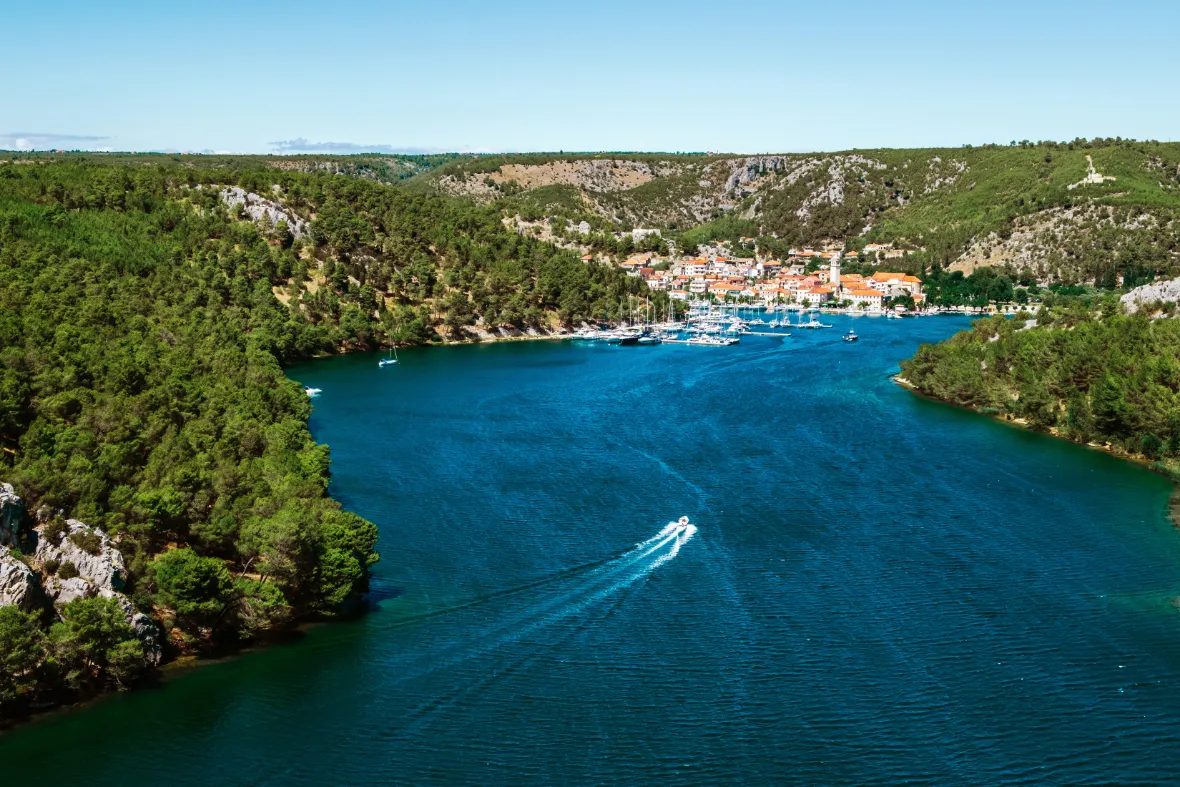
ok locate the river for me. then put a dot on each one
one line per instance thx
(880, 589)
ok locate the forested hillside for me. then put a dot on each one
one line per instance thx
(143, 331)
(1082, 211)
(1085, 372)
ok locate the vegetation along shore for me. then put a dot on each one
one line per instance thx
(163, 496)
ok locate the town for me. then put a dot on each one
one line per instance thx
(807, 277)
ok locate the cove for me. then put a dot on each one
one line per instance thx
(882, 589)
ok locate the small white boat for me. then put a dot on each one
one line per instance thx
(390, 359)
(683, 521)
(312, 392)
(851, 336)
(713, 341)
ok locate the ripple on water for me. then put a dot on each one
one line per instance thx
(882, 590)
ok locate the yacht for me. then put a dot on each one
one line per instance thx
(812, 323)
(713, 340)
(312, 392)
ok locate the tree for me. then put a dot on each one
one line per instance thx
(195, 587)
(93, 641)
(22, 647)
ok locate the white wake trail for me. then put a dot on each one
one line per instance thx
(600, 584)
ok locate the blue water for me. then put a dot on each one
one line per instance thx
(882, 589)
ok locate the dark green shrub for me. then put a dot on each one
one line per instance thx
(51, 566)
(55, 530)
(88, 541)
(67, 570)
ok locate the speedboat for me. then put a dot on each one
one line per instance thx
(386, 362)
(851, 336)
(683, 521)
(312, 392)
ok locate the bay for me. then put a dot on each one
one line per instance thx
(880, 589)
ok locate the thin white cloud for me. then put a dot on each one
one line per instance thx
(302, 145)
(32, 140)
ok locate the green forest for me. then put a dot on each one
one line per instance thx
(1085, 372)
(142, 391)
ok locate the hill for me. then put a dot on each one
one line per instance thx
(173, 498)
(1082, 370)
(1085, 211)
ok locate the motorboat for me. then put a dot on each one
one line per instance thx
(812, 323)
(312, 392)
(713, 341)
(850, 336)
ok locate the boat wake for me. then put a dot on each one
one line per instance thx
(574, 601)
(580, 594)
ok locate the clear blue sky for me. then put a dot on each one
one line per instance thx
(741, 75)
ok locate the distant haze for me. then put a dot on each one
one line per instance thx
(458, 75)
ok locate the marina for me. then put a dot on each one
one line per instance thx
(714, 325)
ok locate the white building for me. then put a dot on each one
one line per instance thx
(869, 298)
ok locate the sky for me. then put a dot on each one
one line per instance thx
(743, 76)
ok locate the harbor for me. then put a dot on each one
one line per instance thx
(716, 325)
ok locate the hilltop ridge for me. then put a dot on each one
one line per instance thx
(1086, 211)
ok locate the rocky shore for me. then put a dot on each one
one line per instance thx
(47, 562)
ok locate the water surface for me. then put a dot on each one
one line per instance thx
(882, 589)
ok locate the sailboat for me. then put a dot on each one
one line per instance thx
(391, 359)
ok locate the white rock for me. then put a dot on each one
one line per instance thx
(63, 591)
(1163, 291)
(261, 209)
(106, 570)
(18, 584)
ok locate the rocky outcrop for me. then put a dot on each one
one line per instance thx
(12, 515)
(101, 572)
(62, 591)
(18, 583)
(1156, 292)
(261, 209)
(146, 630)
(103, 568)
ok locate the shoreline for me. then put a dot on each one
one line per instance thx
(168, 671)
(1152, 465)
